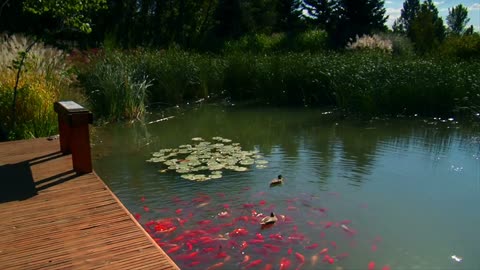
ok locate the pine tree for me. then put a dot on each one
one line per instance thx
(357, 18)
(408, 13)
(457, 19)
(321, 12)
(288, 15)
(427, 29)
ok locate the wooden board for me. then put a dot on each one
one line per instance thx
(72, 222)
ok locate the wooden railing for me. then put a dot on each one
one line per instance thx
(73, 120)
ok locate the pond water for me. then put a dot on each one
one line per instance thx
(400, 194)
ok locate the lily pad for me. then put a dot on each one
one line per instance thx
(203, 160)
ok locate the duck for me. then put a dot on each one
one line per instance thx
(277, 181)
(269, 219)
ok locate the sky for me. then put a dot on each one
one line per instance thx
(394, 6)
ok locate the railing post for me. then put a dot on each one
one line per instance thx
(73, 122)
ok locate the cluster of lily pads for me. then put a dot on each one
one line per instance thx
(205, 160)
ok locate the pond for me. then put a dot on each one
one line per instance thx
(377, 194)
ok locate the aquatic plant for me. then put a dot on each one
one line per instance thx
(191, 160)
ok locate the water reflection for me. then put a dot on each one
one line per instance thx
(306, 139)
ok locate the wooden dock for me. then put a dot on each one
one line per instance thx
(52, 218)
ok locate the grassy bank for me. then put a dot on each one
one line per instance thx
(121, 84)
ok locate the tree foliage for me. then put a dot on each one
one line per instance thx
(72, 13)
(457, 19)
(427, 29)
(409, 12)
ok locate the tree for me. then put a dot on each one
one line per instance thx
(408, 13)
(427, 29)
(288, 15)
(71, 13)
(357, 18)
(321, 12)
(457, 19)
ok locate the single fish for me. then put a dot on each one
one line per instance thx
(137, 216)
(323, 251)
(272, 248)
(328, 225)
(246, 258)
(248, 205)
(262, 202)
(333, 244)
(178, 211)
(276, 236)
(255, 241)
(285, 263)
(254, 263)
(142, 199)
(300, 257)
(371, 265)
(216, 266)
(312, 246)
(238, 232)
(374, 247)
(146, 209)
(314, 260)
(189, 245)
(173, 249)
(194, 263)
(268, 267)
(386, 267)
(259, 236)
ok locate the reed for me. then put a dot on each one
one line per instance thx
(364, 82)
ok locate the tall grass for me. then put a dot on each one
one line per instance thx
(44, 79)
(365, 82)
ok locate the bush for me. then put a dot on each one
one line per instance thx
(44, 79)
(465, 47)
(374, 42)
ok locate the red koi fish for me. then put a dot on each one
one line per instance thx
(322, 234)
(346, 221)
(311, 223)
(254, 263)
(189, 245)
(248, 205)
(242, 218)
(323, 251)
(333, 244)
(214, 230)
(268, 267)
(255, 241)
(142, 199)
(146, 209)
(259, 236)
(246, 258)
(386, 267)
(226, 206)
(290, 250)
(328, 259)
(137, 216)
(328, 225)
(221, 255)
(262, 202)
(276, 236)
(204, 222)
(299, 257)
(285, 263)
(216, 266)
(223, 214)
(371, 265)
(238, 232)
(272, 248)
(243, 245)
(374, 248)
(312, 246)
(173, 249)
(342, 256)
(291, 208)
(178, 211)
(194, 263)
(208, 249)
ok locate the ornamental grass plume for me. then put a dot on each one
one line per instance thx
(374, 42)
(43, 77)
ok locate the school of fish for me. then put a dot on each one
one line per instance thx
(203, 234)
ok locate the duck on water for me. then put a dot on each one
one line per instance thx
(277, 181)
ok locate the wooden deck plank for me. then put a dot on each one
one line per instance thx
(73, 222)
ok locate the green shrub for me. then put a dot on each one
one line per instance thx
(466, 47)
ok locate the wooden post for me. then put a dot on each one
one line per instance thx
(73, 122)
